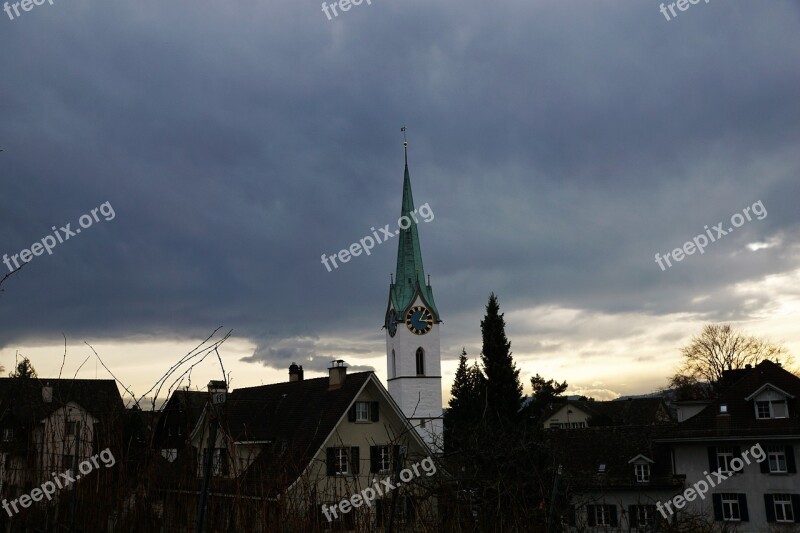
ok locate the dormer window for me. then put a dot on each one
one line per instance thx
(771, 409)
(770, 402)
(642, 472)
(601, 469)
(723, 408)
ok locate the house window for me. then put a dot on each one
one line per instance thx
(422, 422)
(602, 515)
(724, 458)
(71, 424)
(643, 516)
(420, 361)
(8, 435)
(380, 458)
(771, 409)
(730, 508)
(338, 521)
(362, 411)
(601, 469)
(66, 461)
(220, 462)
(554, 425)
(642, 473)
(342, 461)
(776, 457)
(783, 508)
(723, 408)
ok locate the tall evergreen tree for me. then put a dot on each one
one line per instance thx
(464, 404)
(503, 388)
(24, 370)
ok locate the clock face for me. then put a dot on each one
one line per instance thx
(419, 320)
(391, 323)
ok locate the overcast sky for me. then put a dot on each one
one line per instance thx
(559, 144)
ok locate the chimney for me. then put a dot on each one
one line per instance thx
(295, 372)
(47, 393)
(218, 390)
(338, 373)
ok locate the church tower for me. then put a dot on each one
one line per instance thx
(412, 322)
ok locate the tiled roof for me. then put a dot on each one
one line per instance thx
(740, 421)
(295, 417)
(22, 398)
(581, 452)
(630, 412)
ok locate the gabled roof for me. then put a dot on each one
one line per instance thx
(766, 386)
(630, 412)
(740, 420)
(22, 398)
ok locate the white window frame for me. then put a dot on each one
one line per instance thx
(362, 412)
(771, 411)
(8, 434)
(724, 458)
(385, 459)
(730, 503)
(642, 471)
(341, 457)
(779, 454)
(784, 503)
(644, 517)
(602, 515)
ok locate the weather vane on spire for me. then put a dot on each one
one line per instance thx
(405, 141)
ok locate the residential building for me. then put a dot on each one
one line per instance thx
(759, 411)
(282, 451)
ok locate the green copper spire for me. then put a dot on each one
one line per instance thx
(410, 275)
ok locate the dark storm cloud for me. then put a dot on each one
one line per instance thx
(560, 146)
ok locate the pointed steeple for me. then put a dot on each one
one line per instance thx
(410, 274)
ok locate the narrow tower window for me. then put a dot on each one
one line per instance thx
(394, 365)
(420, 361)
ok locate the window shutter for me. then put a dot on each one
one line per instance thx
(374, 459)
(613, 515)
(712, 459)
(354, 459)
(633, 516)
(717, 499)
(331, 461)
(571, 516)
(590, 518)
(737, 452)
(796, 507)
(743, 508)
(769, 505)
(791, 465)
(410, 509)
(379, 511)
(351, 414)
(396, 458)
(375, 411)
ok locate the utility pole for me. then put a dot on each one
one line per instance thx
(75, 452)
(217, 392)
(553, 500)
